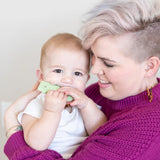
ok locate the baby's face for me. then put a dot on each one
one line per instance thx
(66, 67)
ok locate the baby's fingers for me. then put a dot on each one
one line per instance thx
(75, 102)
(57, 94)
(35, 86)
(70, 91)
(62, 96)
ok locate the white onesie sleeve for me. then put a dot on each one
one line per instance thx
(34, 108)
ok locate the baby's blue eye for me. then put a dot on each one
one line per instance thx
(58, 70)
(78, 74)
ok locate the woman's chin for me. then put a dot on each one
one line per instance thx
(104, 93)
(107, 94)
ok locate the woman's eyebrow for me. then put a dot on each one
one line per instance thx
(106, 59)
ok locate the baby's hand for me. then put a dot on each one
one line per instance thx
(79, 98)
(55, 101)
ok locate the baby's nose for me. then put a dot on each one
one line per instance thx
(67, 79)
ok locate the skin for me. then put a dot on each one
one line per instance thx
(119, 75)
(10, 117)
(58, 69)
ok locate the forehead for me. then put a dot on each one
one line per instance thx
(62, 52)
(68, 57)
(114, 44)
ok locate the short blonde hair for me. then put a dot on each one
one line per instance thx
(118, 17)
(61, 40)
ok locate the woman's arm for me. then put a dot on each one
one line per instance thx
(10, 116)
(120, 138)
(17, 149)
(127, 138)
(108, 142)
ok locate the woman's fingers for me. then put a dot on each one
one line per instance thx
(35, 86)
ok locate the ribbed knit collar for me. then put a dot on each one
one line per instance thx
(129, 102)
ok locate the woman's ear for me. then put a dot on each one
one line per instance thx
(39, 74)
(152, 66)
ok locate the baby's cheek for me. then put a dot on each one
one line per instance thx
(81, 86)
(51, 79)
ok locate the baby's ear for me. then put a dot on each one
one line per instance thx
(152, 66)
(39, 74)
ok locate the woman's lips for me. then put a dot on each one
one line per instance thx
(103, 84)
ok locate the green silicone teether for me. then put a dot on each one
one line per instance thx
(44, 87)
(69, 98)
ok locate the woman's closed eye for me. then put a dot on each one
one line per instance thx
(108, 65)
(58, 70)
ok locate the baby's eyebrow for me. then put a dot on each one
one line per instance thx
(56, 66)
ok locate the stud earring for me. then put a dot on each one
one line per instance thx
(149, 92)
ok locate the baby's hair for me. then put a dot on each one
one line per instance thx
(61, 40)
(118, 17)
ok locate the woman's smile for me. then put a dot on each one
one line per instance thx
(104, 84)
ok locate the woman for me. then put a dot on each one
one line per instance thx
(124, 39)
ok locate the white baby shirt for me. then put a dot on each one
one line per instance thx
(71, 131)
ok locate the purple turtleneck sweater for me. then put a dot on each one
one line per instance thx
(131, 133)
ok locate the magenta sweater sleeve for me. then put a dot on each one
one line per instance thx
(17, 149)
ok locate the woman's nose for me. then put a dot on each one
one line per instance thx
(96, 68)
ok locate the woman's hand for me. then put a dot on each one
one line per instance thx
(10, 117)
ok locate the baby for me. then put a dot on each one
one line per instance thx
(50, 121)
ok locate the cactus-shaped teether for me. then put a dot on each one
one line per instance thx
(44, 87)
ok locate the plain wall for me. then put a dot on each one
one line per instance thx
(24, 26)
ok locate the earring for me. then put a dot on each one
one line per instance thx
(149, 92)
